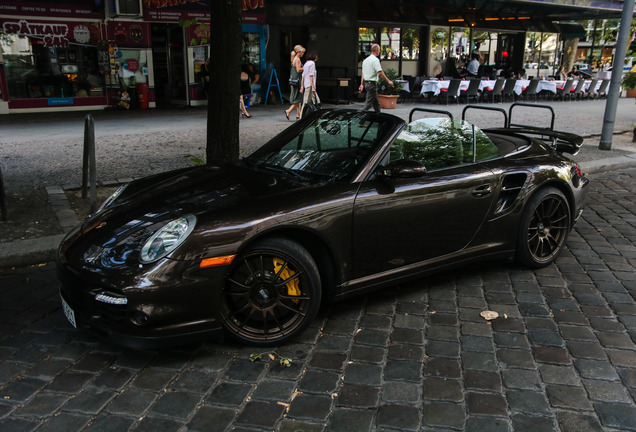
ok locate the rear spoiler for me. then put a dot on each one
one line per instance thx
(562, 142)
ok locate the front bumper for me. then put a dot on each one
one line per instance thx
(175, 306)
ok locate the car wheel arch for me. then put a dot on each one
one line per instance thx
(521, 252)
(317, 248)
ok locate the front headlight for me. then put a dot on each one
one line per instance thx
(112, 198)
(167, 239)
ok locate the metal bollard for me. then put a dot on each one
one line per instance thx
(89, 165)
(3, 198)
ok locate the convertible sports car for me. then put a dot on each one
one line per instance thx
(339, 203)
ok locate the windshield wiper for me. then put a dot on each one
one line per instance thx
(282, 169)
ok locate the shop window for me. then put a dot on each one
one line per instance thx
(410, 44)
(390, 43)
(35, 71)
(540, 54)
(366, 38)
(251, 49)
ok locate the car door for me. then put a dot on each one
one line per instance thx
(401, 222)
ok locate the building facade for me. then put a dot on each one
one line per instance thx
(90, 54)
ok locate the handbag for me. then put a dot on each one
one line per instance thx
(294, 81)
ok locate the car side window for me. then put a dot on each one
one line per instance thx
(439, 143)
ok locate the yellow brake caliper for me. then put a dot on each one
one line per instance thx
(292, 285)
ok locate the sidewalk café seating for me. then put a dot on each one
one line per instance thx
(577, 93)
(531, 90)
(472, 90)
(564, 91)
(602, 90)
(451, 91)
(589, 92)
(495, 91)
(509, 89)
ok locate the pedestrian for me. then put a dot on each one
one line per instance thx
(309, 81)
(295, 97)
(254, 83)
(245, 90)
(371, 72)
(561, 75)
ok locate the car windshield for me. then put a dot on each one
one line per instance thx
(439, 143)
(334, 146)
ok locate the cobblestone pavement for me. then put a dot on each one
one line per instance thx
(417, 357)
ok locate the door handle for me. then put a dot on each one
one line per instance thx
(482, 190)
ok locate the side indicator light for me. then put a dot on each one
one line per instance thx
(211, 262)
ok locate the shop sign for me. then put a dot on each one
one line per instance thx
(52, 8)
(53, 34)
(129, 33)
(60, 101)
(183, 10)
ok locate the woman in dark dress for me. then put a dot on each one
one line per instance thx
(245, 90)
(295, 97)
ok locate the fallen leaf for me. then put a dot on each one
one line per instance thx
(489, 315)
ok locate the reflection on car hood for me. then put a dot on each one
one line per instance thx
(149, 203)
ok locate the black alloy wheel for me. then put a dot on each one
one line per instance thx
(544, 227)
(271, 294)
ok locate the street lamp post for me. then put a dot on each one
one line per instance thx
(617, 74)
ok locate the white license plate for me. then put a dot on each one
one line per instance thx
(68, 313)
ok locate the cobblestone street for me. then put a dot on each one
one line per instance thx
(418, 357)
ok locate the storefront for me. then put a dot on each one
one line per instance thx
(51, 58)
(83, 54)
(181, 50)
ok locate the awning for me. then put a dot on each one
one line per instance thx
(570, 29)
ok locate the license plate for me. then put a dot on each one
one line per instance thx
(68, 313)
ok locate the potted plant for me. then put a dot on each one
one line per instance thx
(387, 94)
(629, 84)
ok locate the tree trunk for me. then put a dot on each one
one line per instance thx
(224, 88)
(569, 53)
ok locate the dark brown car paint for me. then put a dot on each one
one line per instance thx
(369, 240)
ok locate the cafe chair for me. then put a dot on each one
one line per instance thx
(472, 91)
(452, 91)
(577, 93)
(495, 91)
(531, 90)
(562, 92)
(509, 89)
(591, 89)
(602, 90)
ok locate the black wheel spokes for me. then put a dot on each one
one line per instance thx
(547, 228)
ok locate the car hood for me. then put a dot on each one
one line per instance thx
(148, 204)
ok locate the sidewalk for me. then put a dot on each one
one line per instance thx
(174, 130)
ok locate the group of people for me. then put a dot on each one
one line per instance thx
(302, 82)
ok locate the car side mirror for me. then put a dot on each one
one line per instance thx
(402, 168)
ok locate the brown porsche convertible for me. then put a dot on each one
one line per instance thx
(340, 203)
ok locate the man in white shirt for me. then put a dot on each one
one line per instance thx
(371, 71)
(473, 66)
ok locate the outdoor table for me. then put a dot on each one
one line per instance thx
(405, 85)
(431, 86)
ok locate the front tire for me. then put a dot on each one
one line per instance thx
(544, 227)
(271, 294)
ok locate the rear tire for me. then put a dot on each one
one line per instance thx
(545, 225)
(272, 293)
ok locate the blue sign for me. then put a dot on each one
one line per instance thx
(60, 101)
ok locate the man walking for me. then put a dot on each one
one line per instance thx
(371, 70)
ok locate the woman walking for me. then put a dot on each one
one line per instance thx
(295, 98)
(309, 81)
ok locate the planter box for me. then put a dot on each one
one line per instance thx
(388, 101)
(630, 93)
